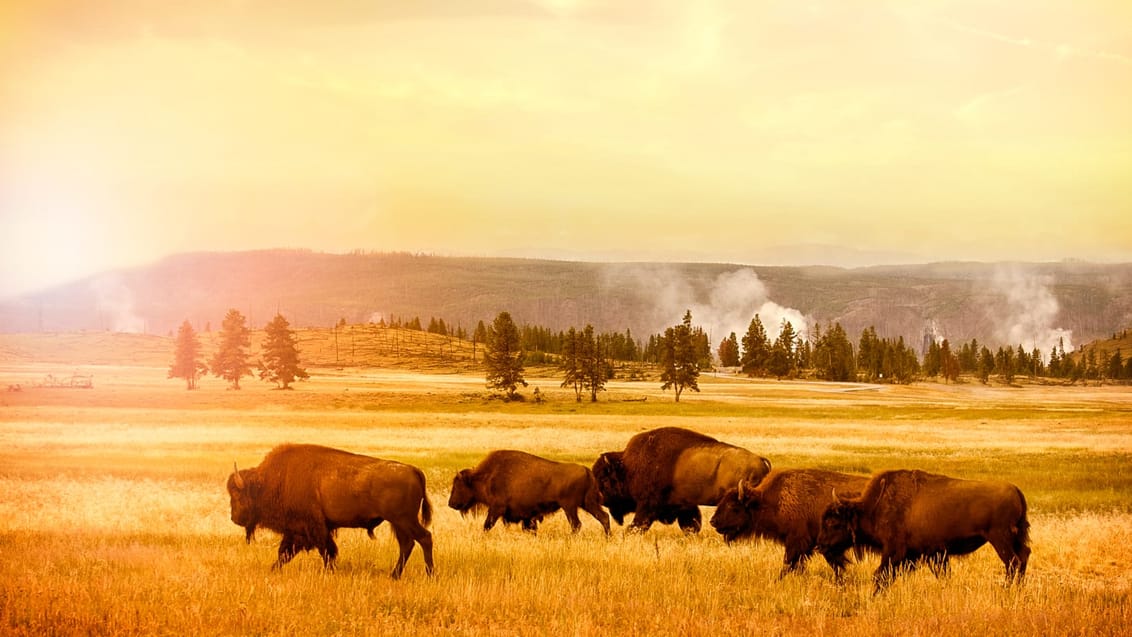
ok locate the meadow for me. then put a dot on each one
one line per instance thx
(114, 516)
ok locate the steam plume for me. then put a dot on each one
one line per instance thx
(1030, 312)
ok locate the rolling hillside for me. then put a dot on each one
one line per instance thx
(995, 303)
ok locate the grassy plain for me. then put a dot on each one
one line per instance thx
(114, 518)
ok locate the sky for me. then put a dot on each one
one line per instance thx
(847, 132)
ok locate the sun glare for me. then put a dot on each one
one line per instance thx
(52, 244)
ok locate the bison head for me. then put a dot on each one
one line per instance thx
(463, 497)
(243, 487)
(732, 516)
(612, 480)
(840, 523)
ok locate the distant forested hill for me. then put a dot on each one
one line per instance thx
(994, 303)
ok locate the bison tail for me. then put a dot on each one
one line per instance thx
(1022, 527)
(426, 510)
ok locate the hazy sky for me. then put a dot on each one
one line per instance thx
(847, 131)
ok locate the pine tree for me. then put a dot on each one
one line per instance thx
(594, 370)
(1116, 366)
(570, 363)
(948, 362)
(478, 336)
(756, 349)
(186, 357)
(280, 362)
(729, 351)
(678, 358)
(782, 355)
(986, 365)
(504, 356)
(833, 355)
(231, 359)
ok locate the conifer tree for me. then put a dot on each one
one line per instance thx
(570, 364)
(594, 371)
(231, 359)
(678, 358)
(504, 356)
(986, 364)
(280, 362)
(756, 348)
(782, 354)
(833, 355)
(186, 357)
(729, 351)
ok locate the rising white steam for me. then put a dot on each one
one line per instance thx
(735, 298)
(1030, 312)
(115, 306)
(726, 304)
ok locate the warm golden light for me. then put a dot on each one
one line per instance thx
(903, 131)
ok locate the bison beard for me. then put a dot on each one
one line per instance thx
(307, 492)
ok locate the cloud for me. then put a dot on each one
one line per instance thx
(1067, 52)
(1062, 51)
(991, 35)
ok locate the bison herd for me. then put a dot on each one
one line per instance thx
(909, 517)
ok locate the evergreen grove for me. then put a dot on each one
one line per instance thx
(587, 359)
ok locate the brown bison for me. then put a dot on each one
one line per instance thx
(666, 474)
(520, 487)
(786, 507)
(307, 492)
(912, 516)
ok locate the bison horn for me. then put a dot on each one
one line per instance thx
(238, 480)
(836, 500)
(742, 490)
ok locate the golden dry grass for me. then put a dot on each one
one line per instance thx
(114, 517)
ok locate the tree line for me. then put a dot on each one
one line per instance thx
(587, 359)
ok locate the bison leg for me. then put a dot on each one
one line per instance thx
(287, 551)
(329, 552)
(530, 525)
(424, 538)
(1014, 557)
(493, 515)
(572, 517)
(406, 537)
(373, 524)
(939, 564)
(794, 560)
(405, 543)
(642, 521)
(599, 514)
(886, 572)
(690, 520)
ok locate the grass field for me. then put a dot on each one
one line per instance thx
(114, 517)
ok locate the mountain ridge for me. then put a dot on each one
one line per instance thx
(960, 300)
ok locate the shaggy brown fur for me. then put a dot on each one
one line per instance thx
(914, 516)
(786, 507)
(666, 474)
(307, 492)
(520, 487)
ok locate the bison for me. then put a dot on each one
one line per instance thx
(912, 516)
(307, 492)
(786, 507)
(666, 474)
(520, 487)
